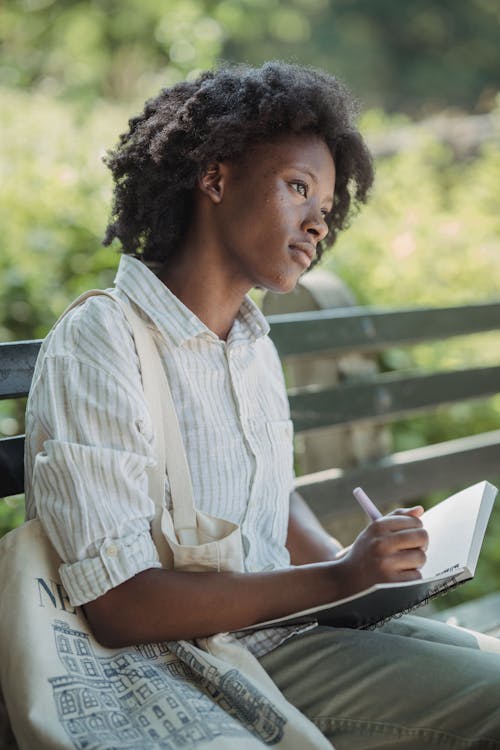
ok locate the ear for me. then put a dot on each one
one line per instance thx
(211, 181)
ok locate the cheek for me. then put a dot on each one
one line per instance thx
(280, 212)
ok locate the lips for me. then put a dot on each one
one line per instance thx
(307, 248)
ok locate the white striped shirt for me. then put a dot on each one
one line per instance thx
(90, 435)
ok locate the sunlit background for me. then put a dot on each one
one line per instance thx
(427, 75)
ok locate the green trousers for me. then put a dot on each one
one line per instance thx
(412, 683)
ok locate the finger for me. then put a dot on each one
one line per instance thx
(413, 559)
(410, 538)
(395, 523)
(404, 539)
(416, 511)
(401, 576)
(396, 567)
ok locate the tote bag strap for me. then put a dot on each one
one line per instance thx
(161, 402)
(170, 454)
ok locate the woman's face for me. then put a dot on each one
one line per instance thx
(270, 211)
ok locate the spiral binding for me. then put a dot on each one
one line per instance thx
(438, 590)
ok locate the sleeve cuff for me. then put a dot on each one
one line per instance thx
(117, 561)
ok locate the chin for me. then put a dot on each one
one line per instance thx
(281, 284)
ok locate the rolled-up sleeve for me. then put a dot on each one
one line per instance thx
(89, 445)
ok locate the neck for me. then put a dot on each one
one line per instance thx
(205, 289)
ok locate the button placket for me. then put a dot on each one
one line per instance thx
(233, 357)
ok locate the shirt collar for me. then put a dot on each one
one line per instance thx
(171, 316)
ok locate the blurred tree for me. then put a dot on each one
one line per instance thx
(104, 48)
(429, 235)
(417, 56)
(54, 200)
(124, 49)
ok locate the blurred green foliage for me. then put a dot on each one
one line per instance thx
(417, 56)
(11, 513)
(73, 71)
(430, 234)
(54, 198)
(125, 49)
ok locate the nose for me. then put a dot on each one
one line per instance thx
(315, 225)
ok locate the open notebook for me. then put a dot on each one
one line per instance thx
(456, 529)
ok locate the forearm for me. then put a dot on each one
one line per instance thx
(158, 605)
(307, 540)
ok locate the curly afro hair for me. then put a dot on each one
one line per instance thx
(156, 164)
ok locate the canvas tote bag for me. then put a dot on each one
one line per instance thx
(63, 690)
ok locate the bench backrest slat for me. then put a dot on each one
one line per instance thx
(405, 477)
(380, 398)
(17, 360)
(386, 397)
(11, 466)
(362, 328)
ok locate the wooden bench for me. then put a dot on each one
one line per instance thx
(371, 399)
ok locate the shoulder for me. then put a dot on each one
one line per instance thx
(96, 334)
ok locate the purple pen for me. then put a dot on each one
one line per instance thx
(368, 506)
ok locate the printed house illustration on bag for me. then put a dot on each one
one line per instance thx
(144, 700)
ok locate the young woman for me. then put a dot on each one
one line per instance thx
(234, 181)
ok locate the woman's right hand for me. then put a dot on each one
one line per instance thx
(390, 549)
(140, 609)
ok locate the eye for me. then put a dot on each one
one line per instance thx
(300, 187)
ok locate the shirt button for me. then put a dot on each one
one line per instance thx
(112, 550)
